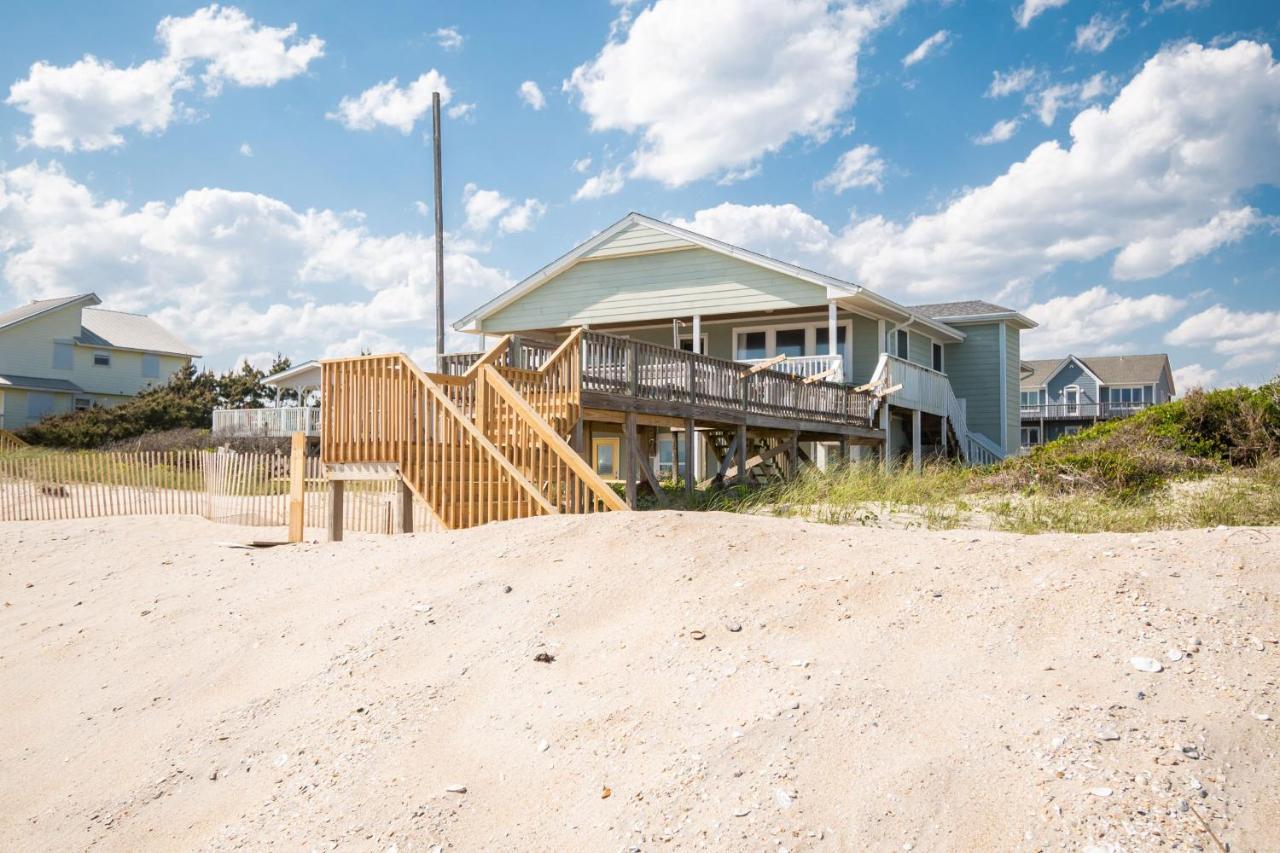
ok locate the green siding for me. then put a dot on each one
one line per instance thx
(1012, 373)
(865, 351)
(972, 365)
(638, 238)
(919, 349)
(653, 287)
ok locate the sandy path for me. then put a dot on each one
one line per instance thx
(948, 690)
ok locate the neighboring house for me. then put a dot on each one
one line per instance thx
(1061, 396)
(296, 407)
(57, 355)
(957, 363)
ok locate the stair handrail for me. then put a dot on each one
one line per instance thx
(561, 448)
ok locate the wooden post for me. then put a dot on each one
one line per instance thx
(675, 456)
(335, 510)
(742, 453)
(297, 485)
(917, 453)
(793, 454)
(691, 458)
(629, 458)
(886, 446)
(404, 507)
(844, 451)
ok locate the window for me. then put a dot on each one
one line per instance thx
(83, 403)
(752, 345)
(150, 366)
(1132, 397)
(605, 452)
(1029, 399)
(686, 344)
(1070, 430)
(670, 444)
(789, 342)
(937, 357)
(821, 336)
(101, 359)
(902, 344)
(1030, 436)
(63, 356)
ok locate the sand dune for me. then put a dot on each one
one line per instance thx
(852, 688)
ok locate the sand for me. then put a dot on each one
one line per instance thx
(854, 688)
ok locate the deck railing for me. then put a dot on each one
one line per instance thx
(516, 351)
(1084, 410)
(922, 388)
(831, 367)
(629, 368)
(282, 421)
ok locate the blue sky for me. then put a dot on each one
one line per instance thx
(251, 175)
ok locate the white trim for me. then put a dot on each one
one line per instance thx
(964, 319)
(89, 298)
(1004, 391)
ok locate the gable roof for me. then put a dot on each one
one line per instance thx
(22, 313)
(835, 287)
(118, 330)
(1107, 369)
(973, 311)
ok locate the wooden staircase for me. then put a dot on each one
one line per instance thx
(762, 458)
(9, 441)
(488, 445)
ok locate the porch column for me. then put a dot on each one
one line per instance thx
(741, 461)
(917, 455)
(697, 334)
(832, 348)
(690, 457)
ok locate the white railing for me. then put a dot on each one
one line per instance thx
(282, 421)
(806, 365)
(922, 388)
(930, 391)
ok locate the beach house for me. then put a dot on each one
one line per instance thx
(58, 355)
(1061, 396)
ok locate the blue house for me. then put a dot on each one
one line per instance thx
(1061, 396)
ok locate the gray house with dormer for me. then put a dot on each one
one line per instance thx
(1061, 396)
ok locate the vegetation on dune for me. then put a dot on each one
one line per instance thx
(1211, 458)
(185, 404)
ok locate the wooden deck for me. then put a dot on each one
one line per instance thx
(493, 437)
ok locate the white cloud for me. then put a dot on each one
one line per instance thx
(753, 75)
(1166, 5)
(1031, 9)
(933, 43)
(449, 38)
(609, 182)
(388, 104)
(483, 207)
(1246, 337)
(532, 95)
(85, 105)
(857, 167)
(1048, 100)
(232, 272)
(1010, 82)
(1098, 33)
(1194, 376)
(236, 48)
(1001, 131)
(463, 111)
(1097, 320)
(246, 150)
(522, 216)
(1156, 177)
(581, 166)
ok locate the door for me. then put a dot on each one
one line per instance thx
(1072, 399)
(605, 453)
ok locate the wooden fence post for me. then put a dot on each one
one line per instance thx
(297, 485)
(335, 509)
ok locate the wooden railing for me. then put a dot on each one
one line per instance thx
(630, 368)
(831, 367)
(474, 447)
(384, 409)
(1083, 409)
(282, 421)
(511, 351)
(9, 441)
